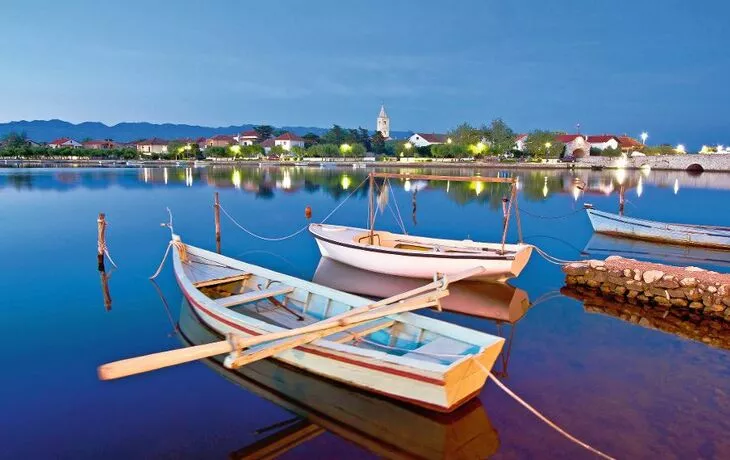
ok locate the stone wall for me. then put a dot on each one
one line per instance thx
(685, 291)
(713, 162)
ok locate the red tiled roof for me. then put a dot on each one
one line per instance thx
(433, 138)
(60, 141)
(520, 137)
(97, 142)
(627, 142)
(289, 137)
(600, 138)
(251, 133)
(567, 137)
(267, 143)
(222, 137)
(153, 141)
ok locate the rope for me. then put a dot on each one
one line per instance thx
(162, 263)
(562, 216)
(552, 259)
(102, 247)
(395, 201)
(292, 235)
(504, 388)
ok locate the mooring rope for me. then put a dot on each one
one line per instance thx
(501, 386)
(162, 263)
(552, 259)
(102, 247)
(292, 235)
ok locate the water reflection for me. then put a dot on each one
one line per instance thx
(383, 427)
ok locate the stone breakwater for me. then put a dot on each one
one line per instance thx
(687, 291)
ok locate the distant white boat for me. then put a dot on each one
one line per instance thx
(201, 163)
(641, 229)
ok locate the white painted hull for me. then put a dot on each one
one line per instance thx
(641, 229)
(418, 264)
(437, 387)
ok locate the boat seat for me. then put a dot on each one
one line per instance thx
(439, 346)
(253, 296)
(361, 330)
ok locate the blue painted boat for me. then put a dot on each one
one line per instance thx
(685, 234)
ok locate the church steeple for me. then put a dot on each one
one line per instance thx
(383, 122)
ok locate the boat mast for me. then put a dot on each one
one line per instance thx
(371, 215)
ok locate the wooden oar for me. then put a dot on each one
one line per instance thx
(307, 338)
(159, 360)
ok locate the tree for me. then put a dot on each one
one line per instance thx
(336, 135)
(500, 136)
(448, 151)
(298, 151)
(310, 139)
(263, 132)
(14, 139)
(278, 150)
(465, 134)
(377, 143)
(358, 150)
(537, 143)
(323, 151)
(364, 139)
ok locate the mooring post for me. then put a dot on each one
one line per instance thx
(217, 213)
(105, 290)
(101, 241)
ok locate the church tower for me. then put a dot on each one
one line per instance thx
(383, 123)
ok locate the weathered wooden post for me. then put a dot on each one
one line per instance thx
(217, 213)
(105, 290)
(101, 241)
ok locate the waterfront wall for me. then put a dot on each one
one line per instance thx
(687, 292)
(713, 162)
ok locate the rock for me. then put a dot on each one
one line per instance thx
(644, 322)
(717, 308)
(694, 269)
(613, 258)
(726, 301)
(688, 282)
(696, 305)
(596, 263)
(632, 294)
(575, 269)
(616, 280)
(693, 294)
(642, 298)
(627, 273)
(620, 290)
(570, 280)
(678, 302)
(606, 289)
(724, 290)
(651, 276)
(711, 289)
(667, 282)
(663, 301)
(707, 300)
(601, 269)
(676, 293)
(592, 283)
(600, 277)
(637, 274)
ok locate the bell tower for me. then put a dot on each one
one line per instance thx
(383, 123)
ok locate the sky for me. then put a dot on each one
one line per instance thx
(612, 66)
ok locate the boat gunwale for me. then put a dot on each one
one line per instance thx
(662, 225)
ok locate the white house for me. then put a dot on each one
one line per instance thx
(152, 146)
(247, 138)
(64, 142)
(288, 140)
(520, 142)
(603, 141)
(424, 140)
(576, 145)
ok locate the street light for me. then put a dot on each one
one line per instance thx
(644, 136)
(681, 149)
(547, 147)
(448, 141)
(345, 148)
(407, 145)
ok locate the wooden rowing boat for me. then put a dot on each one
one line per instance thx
(384, 427)
(422, 257)
(417, 256)
(661, 232)
(483, 299)
(420, 360)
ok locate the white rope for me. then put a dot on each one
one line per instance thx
(395, 202)
(552, 259)
(162, 263)
(282, 238)
(109, 256)
(503, 387)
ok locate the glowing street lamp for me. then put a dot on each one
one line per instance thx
(407, 145)
(236, 149)
(345, 148)
(448, 141)
(681, 149)
(644, 136)
(547, 148)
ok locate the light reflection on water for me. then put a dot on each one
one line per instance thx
(631, 391)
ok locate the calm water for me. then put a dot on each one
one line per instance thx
(630, 391)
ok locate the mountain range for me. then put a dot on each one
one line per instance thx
(48, 130)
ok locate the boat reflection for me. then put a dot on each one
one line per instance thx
(496, 301)
(381, 426)
(602, 246)
(710, 331)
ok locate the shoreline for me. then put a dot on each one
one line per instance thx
(692, 163)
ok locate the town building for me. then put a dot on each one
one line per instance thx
(424, 140)
(247, 137)
(521, 142)
(383, 123)
(221, 140)
(152, 146)
(100, 144)
(267, 145)
(64, 142)
(629, 144)
(576, 145)
(288, 140)
(603, 141)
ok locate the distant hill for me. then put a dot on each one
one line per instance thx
(48, 130)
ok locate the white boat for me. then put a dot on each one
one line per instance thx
(405, 356)
(661, 232)
(423, 257)
(418, 256)
(384, 427)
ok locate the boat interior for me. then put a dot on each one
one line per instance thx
(391, 240)
(278, 304)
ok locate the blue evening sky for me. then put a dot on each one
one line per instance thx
(611, 65)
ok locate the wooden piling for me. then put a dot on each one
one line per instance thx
(105, 290)
(217, 213)
(101, 241)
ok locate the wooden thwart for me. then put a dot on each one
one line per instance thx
(253, 296)
(217, 281)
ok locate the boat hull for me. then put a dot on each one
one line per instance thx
(415, 264)
(442, 392)
(660, 232)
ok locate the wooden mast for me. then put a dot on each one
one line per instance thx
(217, 214)
(371, 216)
